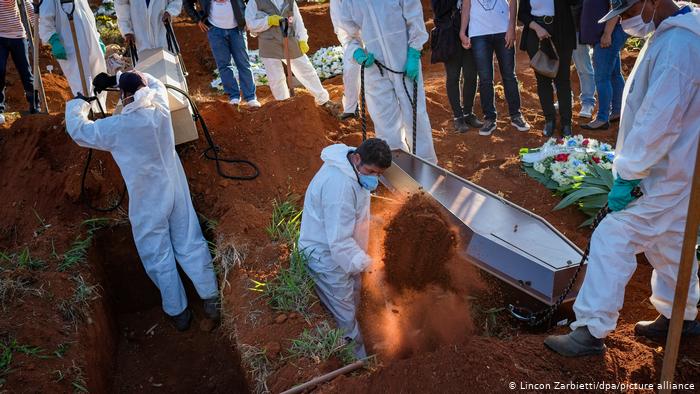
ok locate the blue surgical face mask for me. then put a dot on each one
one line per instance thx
(369, 182)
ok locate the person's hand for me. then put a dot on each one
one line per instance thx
(129, 38)
(542, 33)
(364, 58)
(166, 17)
(412, 64)
(466, 41)
(606, 40)
(303, 46)
(621, 194)
(57, 48)
(510, 37)
(203, 26)
(103, 81)
(273, 20)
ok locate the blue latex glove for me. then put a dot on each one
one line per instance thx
(362, 57)
(57, 48)
(621, 194)
(103, 48)
(412, 64)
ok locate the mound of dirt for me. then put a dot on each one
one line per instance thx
(418, 246)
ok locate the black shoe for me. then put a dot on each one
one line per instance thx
(549, 126)
(577, 343)
(347, 115)
(460, 125)
(488, 127)
(183, 320)
(596, 125)
(472, 121)
(212, 308)
(519, 123)
(659, 328)
(566, 130)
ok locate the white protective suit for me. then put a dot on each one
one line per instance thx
(53, 19)
(334, 234)
(303, 70)
(145, 22)
(351, 69)
(387, 29)
(163, 220)
(657, 143)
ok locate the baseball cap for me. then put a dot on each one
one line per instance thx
(617, 7)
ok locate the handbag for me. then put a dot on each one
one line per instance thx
(544, 64)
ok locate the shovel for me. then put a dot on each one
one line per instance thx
(284, 26)
(75, 44)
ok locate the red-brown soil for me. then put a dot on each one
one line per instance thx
(40, 186)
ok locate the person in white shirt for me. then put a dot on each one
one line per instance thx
(142, 22)
(351, 70)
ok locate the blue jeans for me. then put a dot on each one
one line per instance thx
(608, 75)
(17, 48)
(232, 43)
(584, 69)
(483, 48)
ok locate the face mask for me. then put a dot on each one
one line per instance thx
(369, 182)
(635, 26)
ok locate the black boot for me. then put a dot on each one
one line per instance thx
(212, 308)
(33, 102)
(472, 121)
(577, 343)
(659, 328)
(566, 130)
(549, 126)
(183, 320)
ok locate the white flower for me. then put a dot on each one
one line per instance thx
(539, 167)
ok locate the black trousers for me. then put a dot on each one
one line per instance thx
(461, 95)
(562, 80)
(18, 49)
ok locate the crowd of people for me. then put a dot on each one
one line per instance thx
(384, 41)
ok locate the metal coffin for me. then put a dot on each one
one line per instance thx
(163, 65)
(502, 238)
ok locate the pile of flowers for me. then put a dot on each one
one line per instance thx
(328, 63)
(577, 168)
(106, 9)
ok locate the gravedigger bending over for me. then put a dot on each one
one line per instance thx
(335, 227)
(142, 22)
(659, 131)
(393, 33)
(263, 19)
(163, 221)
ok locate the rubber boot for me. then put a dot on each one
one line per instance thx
(577, 343)
(212, 308)
(183, 320)
(658, 328)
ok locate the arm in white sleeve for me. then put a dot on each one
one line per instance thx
(123, 10)
(99, 134)
(255, 20)
(339, 213)
(161, 97)
(413, 14)
(174, 7)
(47, 20)
(335, 14)
(347, 23)
(299, 28)
(657, 123)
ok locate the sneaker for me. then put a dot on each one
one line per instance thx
(460, 125)
(549, 126)
(234, 101)
(488, 127)
(212, 308)
(254, 103)
(596, 125)
(472, 121)
(183, 320)
(566, 130)
(2, 118)
(520, 123)
(586, 111)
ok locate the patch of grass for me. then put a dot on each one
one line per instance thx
(17, 287)
(61, 350)
(77, 254)
(634, 43)
(321, 343)
(8, 347)
(22, 259)
(108, 30)
(293, 288)
(286, 220)
(78, 382)
(258, 365)
(76, 309)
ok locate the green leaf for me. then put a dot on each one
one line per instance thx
(595, 201)
(595, 180)
(587, 222)
(577, 195)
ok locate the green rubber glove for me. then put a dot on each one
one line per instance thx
(57, 48)
(274, 20)
(103, 48)
(412, 64)
(621, 194)
(362, 57)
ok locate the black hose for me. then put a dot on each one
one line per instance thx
(212, 152)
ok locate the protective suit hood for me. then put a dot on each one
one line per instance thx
(690, 21)
(143, 98)
(336, 156)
